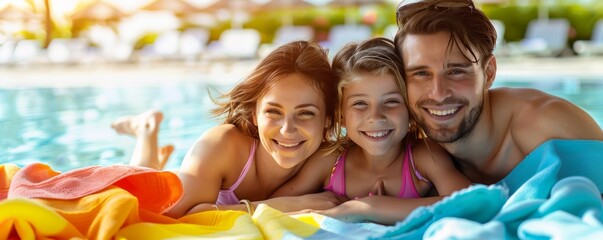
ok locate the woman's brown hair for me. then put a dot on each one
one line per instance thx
(304, 58)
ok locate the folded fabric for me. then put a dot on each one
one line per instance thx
(27, 219)
(560, 225)
(99, 215)
(7, 171)
(156, 191)
(477, 203)
(202, 225)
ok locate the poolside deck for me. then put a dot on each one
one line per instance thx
(21, 76)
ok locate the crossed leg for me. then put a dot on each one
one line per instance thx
(145, 128)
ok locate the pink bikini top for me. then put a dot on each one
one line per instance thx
(407, 190)
(227, 196)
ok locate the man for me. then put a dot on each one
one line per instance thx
(446, 47)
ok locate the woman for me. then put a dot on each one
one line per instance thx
(280, 115)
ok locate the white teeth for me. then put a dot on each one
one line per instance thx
(288, 145)
(377, 134)
(443, 112)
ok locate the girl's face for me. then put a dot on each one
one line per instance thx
(291, 118)
(374, 113)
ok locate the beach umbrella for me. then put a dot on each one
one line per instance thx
(100, 11)
(13, 13)
(177, 7)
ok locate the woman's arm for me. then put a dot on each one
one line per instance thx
(311, 178)
(379, 209)
(205, 167)
(305, 190)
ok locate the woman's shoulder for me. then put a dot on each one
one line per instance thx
(225, 133)
(224, 139)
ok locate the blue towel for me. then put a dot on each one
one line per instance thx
(558, 183)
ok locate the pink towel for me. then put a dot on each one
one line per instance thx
(157, 191)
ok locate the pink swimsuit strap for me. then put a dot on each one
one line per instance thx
(408, 189)
(227, 196)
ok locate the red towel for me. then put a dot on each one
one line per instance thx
(157, 191)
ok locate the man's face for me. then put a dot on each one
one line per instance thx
(445, 90)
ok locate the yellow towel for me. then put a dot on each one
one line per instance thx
(275, 224)
(32, 220)
(202, 225)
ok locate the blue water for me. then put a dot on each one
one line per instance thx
(69, 127)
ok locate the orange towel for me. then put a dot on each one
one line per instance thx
(99, 215)
(7, 171)
(157, 191)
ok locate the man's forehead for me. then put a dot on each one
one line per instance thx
(418, 46)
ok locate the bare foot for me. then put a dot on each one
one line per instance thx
(164, 154)
(138, 124)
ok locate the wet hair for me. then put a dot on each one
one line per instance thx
(375, 56)
(468, 26)
(305, 59)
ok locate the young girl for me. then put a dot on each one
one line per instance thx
(384, 167)
(274, 120)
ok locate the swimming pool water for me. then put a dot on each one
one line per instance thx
(69, 127)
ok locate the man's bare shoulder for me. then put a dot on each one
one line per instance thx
(536, 116)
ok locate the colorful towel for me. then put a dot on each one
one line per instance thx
(555, 193)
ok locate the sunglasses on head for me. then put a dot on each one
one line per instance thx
(436, 5)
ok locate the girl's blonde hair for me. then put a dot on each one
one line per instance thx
(374, 56)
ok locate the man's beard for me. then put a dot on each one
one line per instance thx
(450, 136)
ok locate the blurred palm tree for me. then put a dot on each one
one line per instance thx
(47, 17)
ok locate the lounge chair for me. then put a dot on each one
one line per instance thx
(340, 35)
(499, 49)
(27, 51)
(234, 44)
(544, 37)
(193, 42)
(66, 51)
(594, 46)
(286, 34)
(390, 31)
(6, 51)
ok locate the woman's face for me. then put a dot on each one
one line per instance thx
(291, 118)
